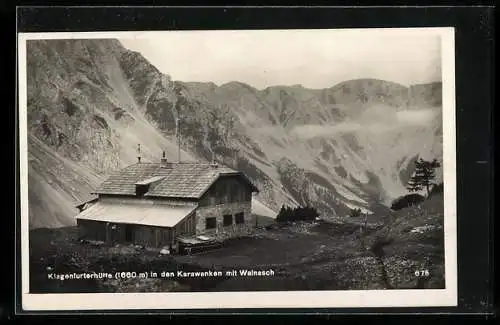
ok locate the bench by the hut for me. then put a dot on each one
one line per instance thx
(196, 244)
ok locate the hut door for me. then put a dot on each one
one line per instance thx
(157, 238)
(129, 233)
(111, 233)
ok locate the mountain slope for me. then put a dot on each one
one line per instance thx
(90, 102)
(55, 184)
(81, 106)
(83, 123)
(359, 136)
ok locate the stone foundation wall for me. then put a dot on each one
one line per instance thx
(218, 211)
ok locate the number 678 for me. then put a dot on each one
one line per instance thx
(422, 273)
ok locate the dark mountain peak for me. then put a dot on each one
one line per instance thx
(428, 84)
(71, 49)
(425, 94)
(367, 82)
(296, 89)
(108, 43)
(234, 85)
(198, 84)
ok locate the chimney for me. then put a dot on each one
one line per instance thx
(139, 153)
(164, 160)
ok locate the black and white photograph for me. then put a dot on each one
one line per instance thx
(238, 168)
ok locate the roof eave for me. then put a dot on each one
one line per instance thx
(235, 173)
(255, 189)
(85, 202)
(116, 194)
(152, 196)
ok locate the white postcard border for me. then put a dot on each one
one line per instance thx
(268, 299)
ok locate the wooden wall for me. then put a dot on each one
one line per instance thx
(151, 236)
(91, 230)
(186, 226)
(227, 189)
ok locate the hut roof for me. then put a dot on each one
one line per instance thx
(143, 214)
(174, 180)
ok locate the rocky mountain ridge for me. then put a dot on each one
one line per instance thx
(90, 102)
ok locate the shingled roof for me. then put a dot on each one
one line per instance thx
(181, 180)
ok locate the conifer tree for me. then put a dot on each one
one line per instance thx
(424, 175)
(414, 184)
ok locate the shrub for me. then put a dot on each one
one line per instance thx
(355, 213)
(288, 214)
(407, 201)
(438, 188)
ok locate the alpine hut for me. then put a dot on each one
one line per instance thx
(156, 204)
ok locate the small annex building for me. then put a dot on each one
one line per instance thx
(155, 204)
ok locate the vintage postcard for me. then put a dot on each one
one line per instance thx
(237, 169)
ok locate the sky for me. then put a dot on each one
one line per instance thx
(312, 58)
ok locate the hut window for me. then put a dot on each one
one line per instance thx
(239, 218)
(228, 220)
(211, 223)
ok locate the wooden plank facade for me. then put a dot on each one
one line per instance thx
(227, 189)
(121, 233)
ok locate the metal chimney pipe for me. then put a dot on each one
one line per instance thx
(164, 158)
